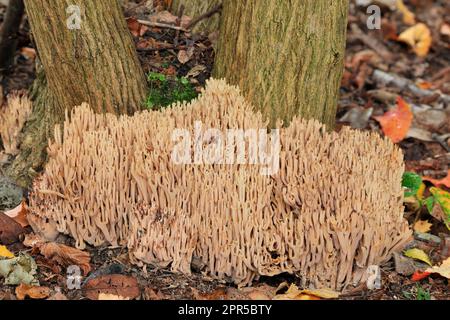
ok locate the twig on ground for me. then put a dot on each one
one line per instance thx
(385, 78)
(161, 25)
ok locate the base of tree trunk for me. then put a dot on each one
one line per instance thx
(38, 130)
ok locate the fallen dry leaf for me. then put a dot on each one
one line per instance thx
(294, 293)
(23, 291)
(110, 297)
(409, 18)
(443, 269)
(33, 240)
(218, 294)
(153, 294)
(418, 37)
(137, 29)
(66, 256)
(10, 230)
(19, 214)
(115, 284)
(28, 53)
(322, 293)
(418, 254)
(440, 182)
(184, 56)
(422, 226)
(397, 122)
(58, 296)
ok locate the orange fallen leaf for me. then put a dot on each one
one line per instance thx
(28, 53)
(418, 37)
(440, 182)
(23, 291)
(417, 276)
(396, 123)
(409, 18)
(19, 214)
(425, 85)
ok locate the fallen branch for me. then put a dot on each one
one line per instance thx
(385, 78)
(161, 25)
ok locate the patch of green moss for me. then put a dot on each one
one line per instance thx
(165, 91)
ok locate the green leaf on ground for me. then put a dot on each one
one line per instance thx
(411, 182)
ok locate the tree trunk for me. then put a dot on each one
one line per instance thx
(196, 8)
(286, 56)
(95, 63)
(9, 33)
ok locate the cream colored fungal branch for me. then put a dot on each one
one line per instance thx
(333, 209)
(13, 117)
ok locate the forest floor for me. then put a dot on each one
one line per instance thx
(373, 57)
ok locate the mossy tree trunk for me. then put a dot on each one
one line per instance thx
(95, 63)
(286, 56)
(195, 8)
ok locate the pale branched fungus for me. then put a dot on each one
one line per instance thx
(12, 120)
(333, 209)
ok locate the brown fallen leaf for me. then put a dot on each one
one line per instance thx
(33, 240)
(110, 297)
(19, 214)
(137, 29)
(10, 230)
(66, 256)
(153, 294)
(23, 291)
(185, 55)
(115, 284)
(258, 295)
(58, 296)
(218, 294)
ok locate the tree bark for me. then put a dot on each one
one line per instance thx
(96, 63)
(9, 34)
(286, 56)
(196, 8)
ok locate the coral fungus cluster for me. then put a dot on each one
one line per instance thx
(332, 209)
